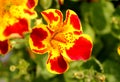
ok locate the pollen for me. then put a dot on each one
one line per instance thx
(69, 37)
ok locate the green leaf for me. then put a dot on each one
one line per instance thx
(23, 66)
(112, 71)
(116, 23)
(101, 17)
(89, 30)
(93, 63)
(83, 71)
(117, 11)
(98, 15)
(85, 9)
(97, 47)
(116, 30)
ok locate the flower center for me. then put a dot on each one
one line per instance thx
(4, 7)
(57, 39)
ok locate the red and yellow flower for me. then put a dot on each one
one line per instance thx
(64, 41)
(61, 2)
(15, 16)
(118, 49)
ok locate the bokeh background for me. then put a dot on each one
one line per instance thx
(99, 18)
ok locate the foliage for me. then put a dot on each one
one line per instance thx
(99, 18)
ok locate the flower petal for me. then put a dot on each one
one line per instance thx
(118, 49)
(81, 49)
(72, 23)
(56, 63)
(31, 3)
(30, 14)
(17, 29)
(4, 46)
(53, 17)
(61, 2)
(38, 41)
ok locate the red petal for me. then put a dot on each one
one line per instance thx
(17, 28)
(31, 3)
(57, 64)
(53, 17)
(37, 36)
(50, 16)
(61, 2)
(80, 50)
(72, 19)
(39, 39)
(4, 47)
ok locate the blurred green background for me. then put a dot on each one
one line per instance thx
(100, 19)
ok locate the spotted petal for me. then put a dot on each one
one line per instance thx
(53, 17)
(56, 63)
(81, 50)
(17, 29)
(4, 46)
(39, 39)
(72, 28)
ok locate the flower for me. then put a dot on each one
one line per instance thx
(61, 2)
(15, 16)
(118, 49)
(64, 41)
